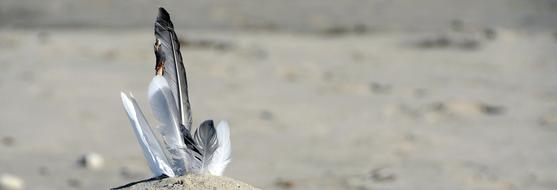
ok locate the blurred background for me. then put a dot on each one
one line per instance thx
(320, 94)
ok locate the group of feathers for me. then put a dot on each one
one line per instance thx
(170, 148)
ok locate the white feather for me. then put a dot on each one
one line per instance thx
(222, 156)
(166, 111)
(152, 150)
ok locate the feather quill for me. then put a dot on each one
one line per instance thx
(221, 156)
(169, 64)
(152, 150)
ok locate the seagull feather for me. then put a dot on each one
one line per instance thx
(152, 150)
(221, 156)
(169, 64)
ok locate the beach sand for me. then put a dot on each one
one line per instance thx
(189, 182)
(394, 110)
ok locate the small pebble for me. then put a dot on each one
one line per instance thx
(457, 25)
(266, 115)
(291, 74)
(8, 141)
(360, 29)
(468, 44)
(382, 175)
(378, 88)
(371, 179)
(464, 108)
(285, 184)
(438, 42)
(549, 119)
(44, 171)
(75, 183)
(490, 33)
(443, 41)
(258, 53)
(336, 31)
(10, 182)
(110, 54)
(468, 108)
(352, 88)
(92, 161)
(43, 37)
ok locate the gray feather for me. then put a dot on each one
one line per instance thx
(193, 150)
(206, 138)
(169, 64)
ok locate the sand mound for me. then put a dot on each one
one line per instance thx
(197, 182)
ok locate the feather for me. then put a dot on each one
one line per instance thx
(222, 156)
(169, 64)
(152, 150)
(181, 153)
(205, 136)
(193, 151)
(164, 108)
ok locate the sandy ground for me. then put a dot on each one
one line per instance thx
(475, 109)
(189, 182)
(289, 15)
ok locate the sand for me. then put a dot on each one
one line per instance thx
(284, 15)
(382, 110)
(190, 182)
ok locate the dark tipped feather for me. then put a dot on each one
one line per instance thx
(190, 142)
(206, 138)
(169, 64)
